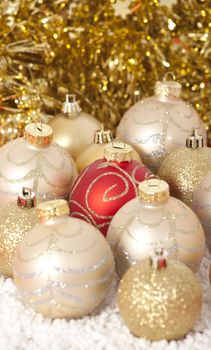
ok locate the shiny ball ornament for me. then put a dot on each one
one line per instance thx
(154, 219)
(95, 150)
(36, 162)
(185, 167)
(202, 205)
(159, 299)
(106, 185)
(16, 219)
(64, 266)
(159, 124)
(73, 129)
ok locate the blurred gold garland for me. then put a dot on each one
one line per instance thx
(110, 59)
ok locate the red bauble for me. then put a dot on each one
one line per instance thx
(103, 188)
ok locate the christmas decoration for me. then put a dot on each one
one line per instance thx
(73, 129)
(154, 292)
(63, 267)
(16, 219)
(106, 185)
(96, 150)
(185, 167)
(157, 125)
(108, 58)
(35, 162)
(155, 219)
(202, 205)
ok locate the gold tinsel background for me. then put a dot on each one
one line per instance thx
(109, 59)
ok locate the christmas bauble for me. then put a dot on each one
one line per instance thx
(159, 124)
(96, 149)
(153, 219)
(106, 185)
(64, 266)
(202, 205)
(159, 299)
(73, 129)
(16, 219)
(36, 162)
(185, 167)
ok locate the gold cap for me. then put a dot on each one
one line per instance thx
(39, 134)
(57, 207)
(26, 199)
(71, 106)
(194, 140)
(168, 87)
(154, 190)
(103, 136)
(118, 151)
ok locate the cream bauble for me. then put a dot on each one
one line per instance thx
(159, 124)
(64, 266)
(185, 167)
(159, 299)
(95, 150)
(16, 219)
(36, 162)
(155, 219)
(202, 205)
(73, 129)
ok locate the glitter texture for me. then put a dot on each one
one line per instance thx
(15, 222)
(159, 304)
(183, 169)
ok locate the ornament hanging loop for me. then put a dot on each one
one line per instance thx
(70, 98)
(169, 74)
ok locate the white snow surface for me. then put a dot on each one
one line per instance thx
(21, 328)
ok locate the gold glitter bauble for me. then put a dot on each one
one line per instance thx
(153, 219)
(64, 266)
(36, 162)
(159, 303)
(183, 169)
(73, 129)
(15, 222)
(159, 124)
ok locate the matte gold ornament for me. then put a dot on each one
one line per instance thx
(95, 150)
(64, 266)
(16, 219)
(155, 219)
(73, 129)
(36, 162)
(185, 167)
(159, 299)
(159, 124)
